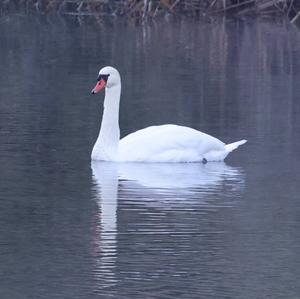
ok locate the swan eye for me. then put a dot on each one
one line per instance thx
(103, 77)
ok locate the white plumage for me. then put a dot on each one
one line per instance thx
(165, 143)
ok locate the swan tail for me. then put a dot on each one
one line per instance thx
(220, 155)
(232, 146)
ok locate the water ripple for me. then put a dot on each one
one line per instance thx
(150, 212)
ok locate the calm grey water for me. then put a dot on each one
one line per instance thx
(69, 229)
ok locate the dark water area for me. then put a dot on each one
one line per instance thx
(72, 229)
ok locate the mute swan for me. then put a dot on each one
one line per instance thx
(165, 143)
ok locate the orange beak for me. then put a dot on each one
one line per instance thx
(99, 86)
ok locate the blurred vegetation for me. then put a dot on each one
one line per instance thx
(153, 8)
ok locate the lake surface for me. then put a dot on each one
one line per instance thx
(72, 229)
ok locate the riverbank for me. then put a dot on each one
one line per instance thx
(141, 9)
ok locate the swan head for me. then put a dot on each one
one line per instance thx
(108, 77)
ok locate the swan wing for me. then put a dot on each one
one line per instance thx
(167, 143)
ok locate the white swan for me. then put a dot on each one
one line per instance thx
(165, 143)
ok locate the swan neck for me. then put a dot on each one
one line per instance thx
(106, 147)
(111, 104)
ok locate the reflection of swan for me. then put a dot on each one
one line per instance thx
(166, 143)
(106, 185)
(178, 175)
(173, 178)
(161, 186)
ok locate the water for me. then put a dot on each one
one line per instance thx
(69, 229)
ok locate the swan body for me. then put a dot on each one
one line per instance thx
(165, 143)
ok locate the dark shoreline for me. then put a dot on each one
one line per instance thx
(145, 9)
